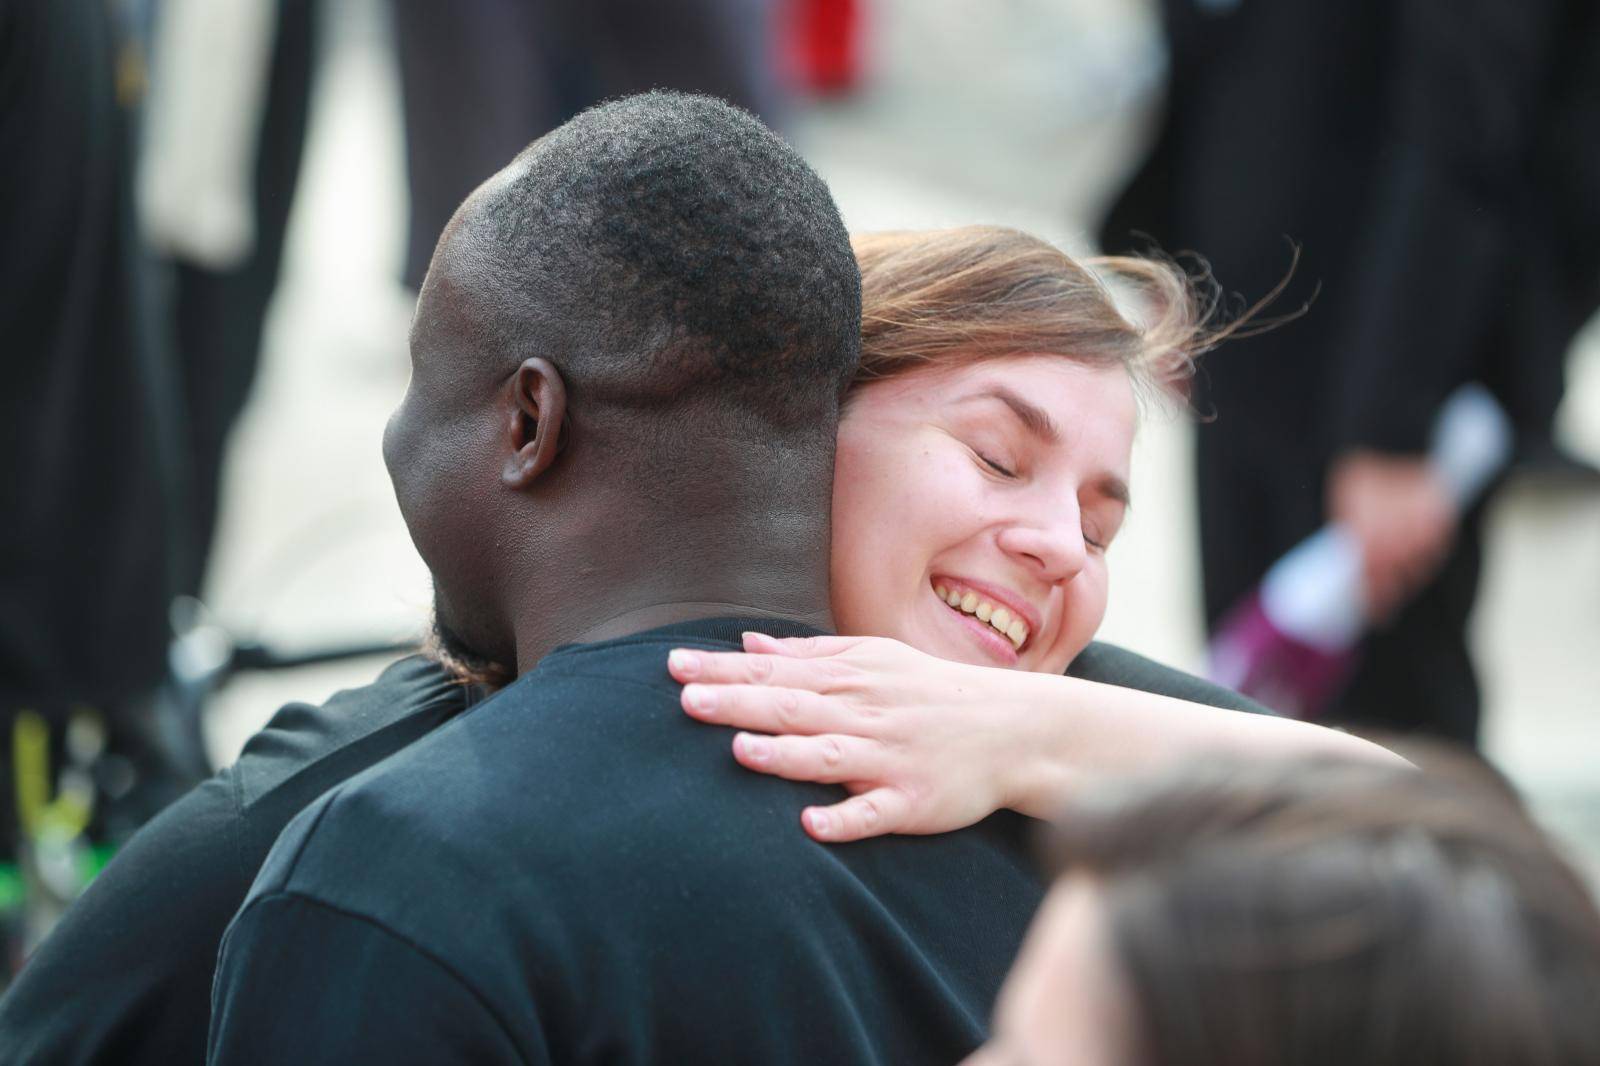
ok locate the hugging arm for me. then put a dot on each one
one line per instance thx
(926, 745)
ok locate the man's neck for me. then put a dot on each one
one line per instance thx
(624, 597)
(665, 614)
(540, 641)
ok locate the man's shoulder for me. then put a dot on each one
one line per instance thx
(1109, 664)
(582, 699)
(542, 800)
(581, 773)
(534, 768)
(311, 746)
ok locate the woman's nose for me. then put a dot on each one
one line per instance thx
(1054, 546)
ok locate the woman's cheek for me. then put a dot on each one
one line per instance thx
(1084, 610)
(871, 499)
(1092, 604)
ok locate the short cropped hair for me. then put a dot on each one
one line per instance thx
(667, 247)
(1330, 912)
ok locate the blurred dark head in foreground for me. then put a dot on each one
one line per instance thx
(1310, 913)
(640, 327)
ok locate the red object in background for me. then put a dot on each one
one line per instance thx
(822, 44)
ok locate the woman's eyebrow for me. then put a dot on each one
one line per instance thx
(1034, 418)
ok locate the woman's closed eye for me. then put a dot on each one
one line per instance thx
(1100, 529)
(995, 465)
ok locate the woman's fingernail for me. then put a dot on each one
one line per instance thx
(686, 663)
(756, 749)
(701, 698)
(820, 823)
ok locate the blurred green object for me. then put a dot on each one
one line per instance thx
(12, 897)
(66, 813)
(57, 859)
(10, 888)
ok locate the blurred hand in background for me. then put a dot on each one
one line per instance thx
(1403, 517)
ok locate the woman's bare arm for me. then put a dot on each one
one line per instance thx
(927, 745)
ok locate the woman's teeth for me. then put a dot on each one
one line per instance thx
(969, 602)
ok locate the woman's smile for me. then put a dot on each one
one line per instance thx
(1001, 622)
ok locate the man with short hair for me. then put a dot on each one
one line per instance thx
(755, 267)
(618, 439)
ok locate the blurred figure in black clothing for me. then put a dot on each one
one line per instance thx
(1556, 249)
(480, 80)
(1412, 151)
(93, 476)
(225, 131)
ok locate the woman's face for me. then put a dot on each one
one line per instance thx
(972, 508)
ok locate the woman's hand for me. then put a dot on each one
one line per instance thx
(924, 744)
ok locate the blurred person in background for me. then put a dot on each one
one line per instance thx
(1421, 155)
(1556, 241)
(94, 479)
(1325, 912)
(92, 564)
(480, 80)
(224, 130)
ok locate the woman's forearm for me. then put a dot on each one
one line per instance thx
(926, 745)
(1071, 731)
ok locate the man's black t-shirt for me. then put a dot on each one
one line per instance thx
(126, 976)
(576, 872)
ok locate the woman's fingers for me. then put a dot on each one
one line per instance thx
(738, 668)
(798, 647)
(882, 810)
(829, 759)
(765, 709)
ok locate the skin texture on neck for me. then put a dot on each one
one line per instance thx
(671, 569)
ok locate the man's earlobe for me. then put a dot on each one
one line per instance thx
(537, 421)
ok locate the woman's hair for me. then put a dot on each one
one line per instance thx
(1339, 913)
(939, 298)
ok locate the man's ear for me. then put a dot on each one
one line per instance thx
(537, 421)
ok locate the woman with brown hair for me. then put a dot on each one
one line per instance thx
(982, 472)
(1305, 913)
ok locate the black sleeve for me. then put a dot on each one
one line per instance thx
(125, 976)
(1111, 665)
(300, 982)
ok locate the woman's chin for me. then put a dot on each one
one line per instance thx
(967, 656)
